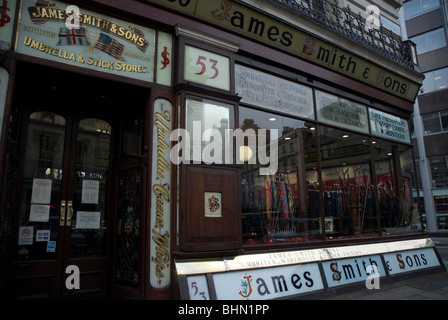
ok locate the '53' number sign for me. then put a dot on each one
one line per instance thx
(207, 68)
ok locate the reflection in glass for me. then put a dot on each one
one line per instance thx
(276, 207)
(348, 191)
(42, 174)
(90, 189)
(207, 120)
(395, 186)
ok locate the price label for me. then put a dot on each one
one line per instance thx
(197, 286)
(208, 68)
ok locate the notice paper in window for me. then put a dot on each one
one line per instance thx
(88, 220)
(90, 191)
(41, 191)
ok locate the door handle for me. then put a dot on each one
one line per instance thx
(62, 214)
(69, 213)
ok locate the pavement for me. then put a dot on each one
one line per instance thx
(433, 286)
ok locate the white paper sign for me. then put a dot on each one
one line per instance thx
(41, 191)
(26, 235)
(39, 213)
(90, 191)
(88, 220)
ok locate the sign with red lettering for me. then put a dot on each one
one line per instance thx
(352, 270)
(207, 68)
(95, 42)
(412, 260)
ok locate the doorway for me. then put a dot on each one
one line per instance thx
(76, 131)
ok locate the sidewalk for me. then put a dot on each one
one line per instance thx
(430, 287)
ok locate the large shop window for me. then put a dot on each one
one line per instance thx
(277, 207)
(363, 187)
(348, 191)
(396, 185)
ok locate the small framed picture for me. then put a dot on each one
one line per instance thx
(213, 204)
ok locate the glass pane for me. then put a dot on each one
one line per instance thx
(439, 172)
(41, 187)
(436, 39)
(444, 118)
(276, 207)
(431, 123)
(396, 186)
(441, 78)
(90, 189)
(207, 122)
(429, 84)
(348, 189)
(421, 43)
(412, 9)
(428, 5)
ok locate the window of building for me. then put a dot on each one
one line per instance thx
(414, 8)
(430, 41)
(435, 122)
(396, 184)
(283, 206)
(439, 171)
(389, 25)
(435, 80)
(206, 123)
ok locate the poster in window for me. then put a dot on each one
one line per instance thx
(41, 191)
(90, 191)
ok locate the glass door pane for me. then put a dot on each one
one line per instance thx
(89, 207)
(41, 186)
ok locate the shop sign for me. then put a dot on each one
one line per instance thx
(413, 260)
(340, 112)
(274, 93)
(273, 32)
(7, 16)
(164, 58)
(388, 126)
(207, 68)
(268, 283)
(160, 261)
(97, 42)
(352, 270)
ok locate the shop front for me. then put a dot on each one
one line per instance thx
(162, 149)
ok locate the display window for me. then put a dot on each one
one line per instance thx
(348, 190)
(330, 183)
(277, 207)
(396, 183)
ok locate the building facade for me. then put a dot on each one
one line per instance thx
(162, 149)
(426, 25)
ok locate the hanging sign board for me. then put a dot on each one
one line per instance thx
(388, 126)
(274, 93)
(97, 42)
(341, 112)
